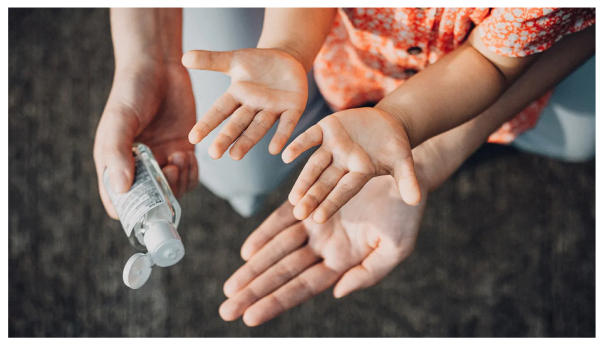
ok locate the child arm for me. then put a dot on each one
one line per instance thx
(359, 144)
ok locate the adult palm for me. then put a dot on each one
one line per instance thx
(290, 261)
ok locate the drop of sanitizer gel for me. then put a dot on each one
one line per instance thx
(149, 214)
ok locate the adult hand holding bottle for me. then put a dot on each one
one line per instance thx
(151, 101)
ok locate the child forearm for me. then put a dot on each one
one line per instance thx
(437, 158)
(298, 31)
(453, 90)
(146, 34)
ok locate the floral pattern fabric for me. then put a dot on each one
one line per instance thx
(371, 51)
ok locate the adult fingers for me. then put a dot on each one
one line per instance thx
(348, 186)
(276, 276)
(259, 127)
(181, 160)
(218, 112)
(308, 139)
(217, 61)
(406, 180)
(171, 172)
(315, 165)
(373, 269)
(305, 286)
(193, 176)
(280, 246)
(279, 220)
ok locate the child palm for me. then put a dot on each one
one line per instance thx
(266, 85)
(356, 145)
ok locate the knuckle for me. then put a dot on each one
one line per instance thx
(306, 287)
(286, 125)
(238, 123)
(310, 200)
(202, 125)
(329, 206)
(245, 140)
(262, 123)
(318, 165)
(225, 138)
(283, 271)
(110, 154)
(302, 184)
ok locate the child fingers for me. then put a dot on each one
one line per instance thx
(221, 109)
(348, 186)
(315, 165)
(406, 180)
(318, 192)
(236, 125)
(287, 123)
(218, 61)
(259, 127)
(310, 138)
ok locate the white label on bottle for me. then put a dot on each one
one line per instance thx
(143, 196)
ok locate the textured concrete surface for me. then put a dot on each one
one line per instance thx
(507, 246)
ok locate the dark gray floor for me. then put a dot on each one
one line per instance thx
(507, 246)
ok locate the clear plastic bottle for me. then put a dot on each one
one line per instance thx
(149, 214)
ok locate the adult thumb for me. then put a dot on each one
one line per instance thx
(115, 137)
(406, 180)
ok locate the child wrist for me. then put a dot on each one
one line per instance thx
(398, 116)
(290, 50)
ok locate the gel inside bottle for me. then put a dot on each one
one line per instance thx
(149, 214)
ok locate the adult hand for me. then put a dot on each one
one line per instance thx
(151, 103)
(289, 262)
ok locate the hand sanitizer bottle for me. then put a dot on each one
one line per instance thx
(149, 214)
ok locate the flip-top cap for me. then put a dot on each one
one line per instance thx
(164, 244)
(137, 270)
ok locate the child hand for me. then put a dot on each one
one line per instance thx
(356, 145)
(266, 85)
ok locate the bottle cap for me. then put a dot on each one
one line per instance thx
(137, 270)
(164, 244)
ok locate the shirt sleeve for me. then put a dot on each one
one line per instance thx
(518, 32)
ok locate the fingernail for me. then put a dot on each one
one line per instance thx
(118, 181)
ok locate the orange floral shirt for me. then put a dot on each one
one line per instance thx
(370, 51)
